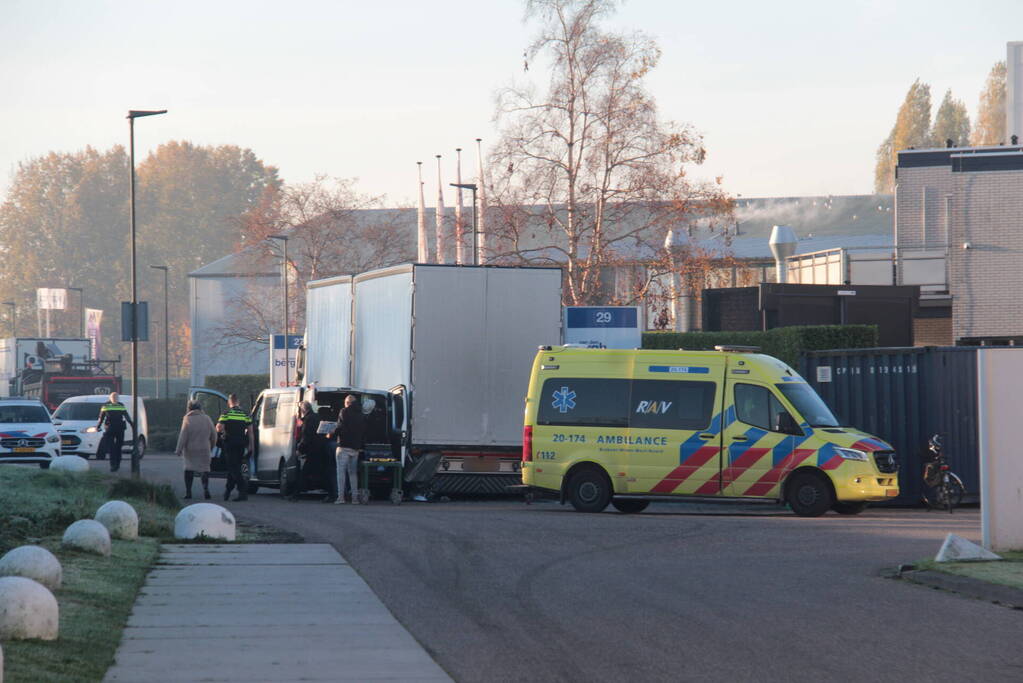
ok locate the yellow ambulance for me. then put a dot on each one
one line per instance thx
(629, 426)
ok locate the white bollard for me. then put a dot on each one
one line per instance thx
(27, 610)
(33, 562)
(205, 520)
(120, 519)
(69, 463)
(88, 535)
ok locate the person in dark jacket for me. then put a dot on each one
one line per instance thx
(113, 417)
(311, 444)
(350, 433)
(233, 427)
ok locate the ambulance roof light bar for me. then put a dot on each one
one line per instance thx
(732, 348)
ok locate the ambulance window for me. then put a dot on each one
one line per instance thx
(585, 402)
(664, 404)
(757, 406)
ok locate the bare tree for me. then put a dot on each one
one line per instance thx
(585, 174)
(332, 229)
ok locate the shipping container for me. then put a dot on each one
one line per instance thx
(905, 395)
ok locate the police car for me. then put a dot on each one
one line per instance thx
(27, 434)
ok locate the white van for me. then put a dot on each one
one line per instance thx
(76, 418)
(275, 430)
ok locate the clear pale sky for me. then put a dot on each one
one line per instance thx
(793, 97)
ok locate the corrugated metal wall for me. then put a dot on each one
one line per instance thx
(904, 395)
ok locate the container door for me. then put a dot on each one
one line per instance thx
(674, 430)
(758, 453)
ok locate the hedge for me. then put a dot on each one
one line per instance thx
(246, 386)
(785, 343)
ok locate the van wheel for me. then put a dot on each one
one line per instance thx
(849, 508)
(630, 505)
(142, 446)
(809, 495)
(589, 490)
(283, 484)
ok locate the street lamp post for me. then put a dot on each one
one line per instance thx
(132, 115)
(284, 276)
(472, 187)
(14, 317)
(166, 331)
(81, 305)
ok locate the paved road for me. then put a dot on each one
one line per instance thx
(503, 591)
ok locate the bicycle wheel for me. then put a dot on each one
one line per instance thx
(955, 492)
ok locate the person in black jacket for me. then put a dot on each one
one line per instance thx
(350, 433)
(113, 417)
(311, 444)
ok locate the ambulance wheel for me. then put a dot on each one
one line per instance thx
(395, 497)
(630, 505)
(142, 446)
(809, 495)
(589, 490)
(849, 508)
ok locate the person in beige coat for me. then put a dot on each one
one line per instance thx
(198, 436)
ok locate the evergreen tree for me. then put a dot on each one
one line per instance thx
(990, 128)
(951, 123)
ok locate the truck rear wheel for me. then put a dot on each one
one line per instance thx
(589, 490)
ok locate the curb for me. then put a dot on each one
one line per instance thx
(964, 585)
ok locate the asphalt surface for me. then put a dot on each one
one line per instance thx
(502, 591)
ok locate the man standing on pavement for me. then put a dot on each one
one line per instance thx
(233, 427)
(112, 418)
(350, 431)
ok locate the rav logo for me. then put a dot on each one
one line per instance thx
(653, 407)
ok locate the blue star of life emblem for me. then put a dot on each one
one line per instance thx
(564, 400)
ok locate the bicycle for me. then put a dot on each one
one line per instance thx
(943, 487)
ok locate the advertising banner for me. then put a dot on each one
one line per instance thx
(284, 355)
(603, 327)
(93, 325)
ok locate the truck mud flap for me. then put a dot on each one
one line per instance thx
(424, 469)
(446, 484)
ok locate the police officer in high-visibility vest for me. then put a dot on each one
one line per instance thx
(233, 427)
(112, 418)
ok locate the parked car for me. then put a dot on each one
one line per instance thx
(27, 434)
(76, 420)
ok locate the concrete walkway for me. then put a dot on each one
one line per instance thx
(264, 612)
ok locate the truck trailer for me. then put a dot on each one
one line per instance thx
(454, 344)
(52, 370)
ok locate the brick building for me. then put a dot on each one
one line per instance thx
(958, 215)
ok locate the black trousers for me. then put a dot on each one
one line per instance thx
(234, 458)
(111, 444)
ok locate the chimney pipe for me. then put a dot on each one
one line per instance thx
(783, 245)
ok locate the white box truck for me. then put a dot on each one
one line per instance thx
(453, 344)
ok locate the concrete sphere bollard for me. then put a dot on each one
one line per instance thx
(69, 463)
(88, 535)
(204, 520)
(27, 610)
(120, 519)
(33, 562)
